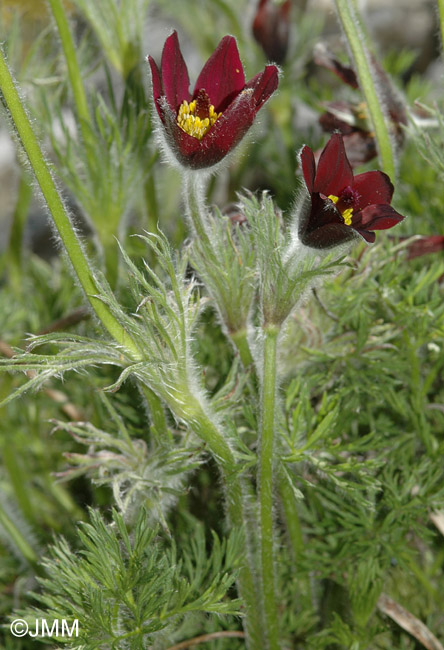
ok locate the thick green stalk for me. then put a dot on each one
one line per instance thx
(56, 207)
(441, 20)
(74, 74)
(265, 482)
(351, 24)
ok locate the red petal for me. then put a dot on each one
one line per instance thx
(229, 129)
(334, 171)
(308, 167)
(181, 144)
(157, 84)
(264, 84)
(368, 236)
(175, 79)
(324, 228)
(376, 217)
(372, 188)
(222, 76)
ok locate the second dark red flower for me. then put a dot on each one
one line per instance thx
(343, 205)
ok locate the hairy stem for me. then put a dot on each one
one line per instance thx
(193, 193)
(74, 74)
(236, 499)
(236, 503)
(351, 24)
(58, 211)
(193, 190)
(266, 463)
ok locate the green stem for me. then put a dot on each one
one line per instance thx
(193, 192)
(241, 342)
(221, 451)
(56, 207)
(265, 482)
(441, 20)
(351, 24)
(246, 585)
(288, 499)
(74, 74)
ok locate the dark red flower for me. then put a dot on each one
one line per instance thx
(202, 127)
(271, 27)
(343, 204)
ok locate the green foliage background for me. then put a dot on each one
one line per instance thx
(362, 415)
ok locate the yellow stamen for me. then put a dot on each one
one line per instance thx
(191, 123)
(346, 214)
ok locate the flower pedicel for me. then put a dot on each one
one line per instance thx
(343, 204)
(202, 127)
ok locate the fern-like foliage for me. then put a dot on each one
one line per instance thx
(126, 587)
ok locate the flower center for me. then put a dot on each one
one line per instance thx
(345, 202)
(197, 117)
